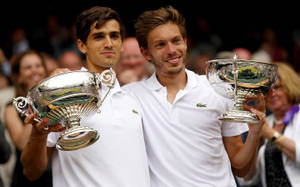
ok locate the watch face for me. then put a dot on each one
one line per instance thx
(275, 136)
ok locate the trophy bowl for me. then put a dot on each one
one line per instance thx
(239, 79)
(65, 98)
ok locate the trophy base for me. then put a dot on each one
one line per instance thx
(77, 137)
(239, 116)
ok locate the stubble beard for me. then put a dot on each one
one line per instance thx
(174, 72)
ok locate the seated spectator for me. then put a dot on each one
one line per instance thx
(71, 60)
(50, 61)
(28, 69)
(278, 162)
(132, 66)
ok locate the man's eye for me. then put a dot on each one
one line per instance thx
(160, 45)
(177, 40)
(98, 36)
(115, 36)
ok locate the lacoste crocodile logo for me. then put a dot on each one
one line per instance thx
(134, 111)
(201, 105)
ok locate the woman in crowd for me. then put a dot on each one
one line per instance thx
(28, 69)
(278, 162)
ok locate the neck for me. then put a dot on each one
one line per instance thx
(97, 69)
(173, 83)
(279, 114)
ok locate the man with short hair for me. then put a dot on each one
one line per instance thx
(118, 158)
(187, 145)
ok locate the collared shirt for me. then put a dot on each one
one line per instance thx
(184, 139)
(117, 159)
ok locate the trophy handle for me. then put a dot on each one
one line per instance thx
(108, 78)
(21, 104)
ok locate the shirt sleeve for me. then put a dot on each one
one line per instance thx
(233, 129)
(52, 139)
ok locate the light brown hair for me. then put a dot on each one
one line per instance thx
(290, 81)
(149, 20)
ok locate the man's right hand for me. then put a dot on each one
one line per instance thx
(59, 70)
(41, 128)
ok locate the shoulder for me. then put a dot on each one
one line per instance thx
(128, 96)
(134, 87)
(204, 85)
(210, 93)
(201, 80)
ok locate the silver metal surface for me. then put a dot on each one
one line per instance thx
(239, 79)
(64, 98)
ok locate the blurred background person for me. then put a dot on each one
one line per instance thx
(28, 69)
(7, 92)
(198, 57)
(4, 149)
(242, 53)
(132, 66)
(19, 41)
(70, 59)
(60, 36)
(50, 61)
(269, 49)
(278, 162)
(296, 50)
(224, 55)
(262, 56)
(5, 64)
(4, 82)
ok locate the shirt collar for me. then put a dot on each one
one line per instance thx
(153, 84)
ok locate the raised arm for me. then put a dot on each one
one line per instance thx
(18, 132)
(242, 156)
(36, 154)
(285, 144)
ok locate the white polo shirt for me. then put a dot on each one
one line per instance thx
(117, 159)
(184, 139)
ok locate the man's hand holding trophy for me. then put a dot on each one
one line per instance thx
(241, 80)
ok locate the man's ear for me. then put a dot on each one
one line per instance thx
(146, 54)
(81, 46)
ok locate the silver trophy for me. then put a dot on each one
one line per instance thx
(239, 79)
(64, 98)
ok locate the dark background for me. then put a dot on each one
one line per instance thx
(238, 24)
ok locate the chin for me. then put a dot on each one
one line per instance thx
(175, 71)
(108, 64)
